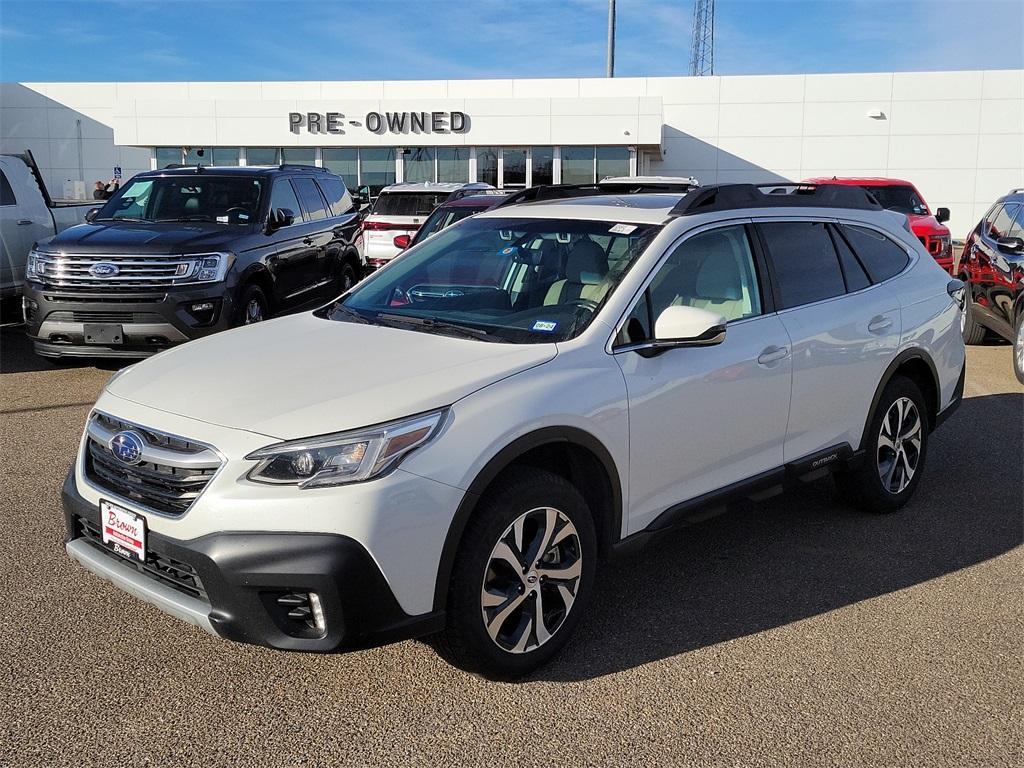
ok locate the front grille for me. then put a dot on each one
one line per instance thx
(70, 270)
(87, 316)
(105, 298)
(164, 568)
(169, 478)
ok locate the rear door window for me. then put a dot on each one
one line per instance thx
(407, 203)
(6, 193)
(311, 199)
(881, 256)
(333, 189)
(804, 262)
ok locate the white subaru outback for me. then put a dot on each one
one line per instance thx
(454, 446)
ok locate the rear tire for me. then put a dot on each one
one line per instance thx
(522, 577)
(895, 449)
(973, 331)
(348, 277)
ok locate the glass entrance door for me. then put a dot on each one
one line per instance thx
(513, 168)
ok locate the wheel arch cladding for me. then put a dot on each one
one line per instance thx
(260, 276)
(916, 365)
(572, 453)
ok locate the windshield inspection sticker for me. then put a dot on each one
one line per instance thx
(622, 229)
(545, 325)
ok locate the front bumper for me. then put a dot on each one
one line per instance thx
(56, 320)
(229, 583)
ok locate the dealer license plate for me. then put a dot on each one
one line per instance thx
(123, 531)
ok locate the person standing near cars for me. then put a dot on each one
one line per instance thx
(111, 187)
(100, 192)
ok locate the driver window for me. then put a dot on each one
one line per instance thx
(283, 196)
(713, 270)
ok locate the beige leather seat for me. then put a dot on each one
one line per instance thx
(719, 287)
(586, 267)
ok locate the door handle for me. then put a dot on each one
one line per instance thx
(24, 221)
(772, 355)
(879, 323)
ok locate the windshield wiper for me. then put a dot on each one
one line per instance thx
(119, 218)
(190, 218)
(351, 314)
(429, 324)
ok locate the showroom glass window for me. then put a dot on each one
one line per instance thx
(166, 156)
(543, 160)
(513, 170)
(225, 155)
(577, 165)
(345, 163)
(487, 165)
(299, 155)
(193, 156)
(453, 164)
(612, 161)
(377, 168)
(418, 164)
(262, 156)
(806, 266)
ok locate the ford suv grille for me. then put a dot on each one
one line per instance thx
(132, 273)
(168, 476)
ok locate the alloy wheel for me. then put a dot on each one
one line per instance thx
(899, 445)
(253, 312)
(531, 580)
(1018, 348)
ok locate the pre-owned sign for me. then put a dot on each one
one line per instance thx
(380, 122)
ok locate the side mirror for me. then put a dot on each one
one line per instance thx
(942, 215)
(1011, 245)
(91, 214)
(402, 241)
(281, 217)
(688, 327)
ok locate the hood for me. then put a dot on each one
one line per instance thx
(302, 375)
(165, 238)
(926, 225)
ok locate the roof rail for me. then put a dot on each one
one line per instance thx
(551, 192)
(301, 167)
(728, 197)
(458, 194)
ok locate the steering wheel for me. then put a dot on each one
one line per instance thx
(236, 210)
(584, 303)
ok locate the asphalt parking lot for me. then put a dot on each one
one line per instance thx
(792, 632)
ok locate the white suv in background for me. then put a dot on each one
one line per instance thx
(454, 446)
(400, 209)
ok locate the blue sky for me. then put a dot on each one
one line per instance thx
(448, 39)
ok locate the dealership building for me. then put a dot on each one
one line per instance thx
(959, 136)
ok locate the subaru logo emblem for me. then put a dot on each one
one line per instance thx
(104, 269)
(127, 447)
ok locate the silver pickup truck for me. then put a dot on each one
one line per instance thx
(28, 214)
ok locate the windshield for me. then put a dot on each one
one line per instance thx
(218, 199)
(501, 279)
(445, 217)
(902, 199)
(407, 203)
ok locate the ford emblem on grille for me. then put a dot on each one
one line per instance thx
(104, 269)
(127, 447)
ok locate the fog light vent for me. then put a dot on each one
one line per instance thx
(305, 609)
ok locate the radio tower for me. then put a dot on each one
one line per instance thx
(702, 53)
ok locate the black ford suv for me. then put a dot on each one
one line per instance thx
(187, 251)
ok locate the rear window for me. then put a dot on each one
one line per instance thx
(804, 261)
(897, 197)
(408, 203)
(881, 257)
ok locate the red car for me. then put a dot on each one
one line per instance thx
(902, 196)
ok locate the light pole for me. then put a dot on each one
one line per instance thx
(611, 38)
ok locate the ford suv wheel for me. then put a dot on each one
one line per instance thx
(1018, 348)
(522, 576)
(895, 446)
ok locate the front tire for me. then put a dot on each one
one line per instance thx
(252, 306)
(895, 448)
(522, 576)
(973, 331)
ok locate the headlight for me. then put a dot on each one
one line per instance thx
(34, 266)
(203, 268)
(346, 457)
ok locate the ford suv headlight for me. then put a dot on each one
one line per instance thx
(345, 457)
(34, 265)
(203, 268)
